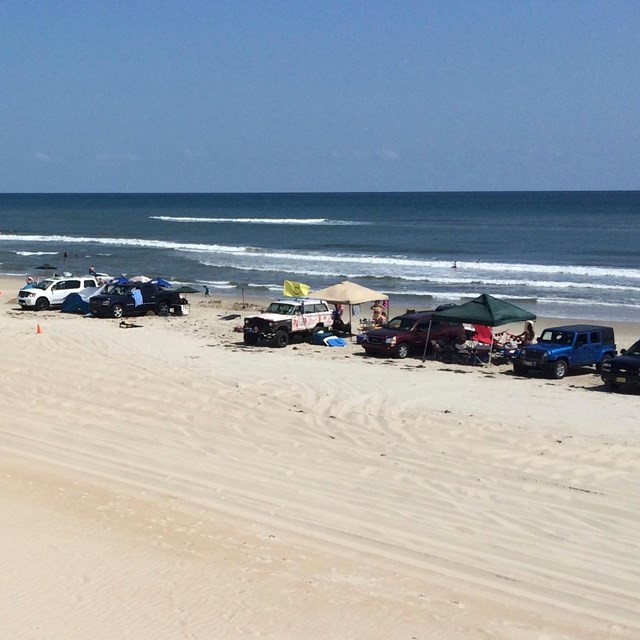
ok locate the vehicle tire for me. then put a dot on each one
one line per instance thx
(605, 357)
(520, 369)
(402, 350)
(251, 339)
(42, 304)
(163, 308)
(610, 386)
(318, 328)
(560, 369)
(370, 352)
(281, 339)
(117, 311)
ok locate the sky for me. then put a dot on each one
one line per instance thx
(316, 96)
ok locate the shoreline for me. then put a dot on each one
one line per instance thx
(565, 311)
(626, 329)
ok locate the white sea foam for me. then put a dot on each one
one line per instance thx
(398, 264)
(293, 221)
(36, 253)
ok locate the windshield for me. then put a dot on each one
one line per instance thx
(559, 337)
(43, 284)
(634, 349)
(401, 323)
(281, 308)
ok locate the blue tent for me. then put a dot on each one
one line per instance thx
(74, 303)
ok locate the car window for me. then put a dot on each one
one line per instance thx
(401, 324)
(595, 337)
(280, 308)
(561, 337)
(89, 283)
(634, 349)
(581, 340)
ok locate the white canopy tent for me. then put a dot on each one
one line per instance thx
(349, 293)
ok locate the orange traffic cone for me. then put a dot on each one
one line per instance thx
(38, 329)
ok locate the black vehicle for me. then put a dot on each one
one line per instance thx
(134, 299)
(623, 370)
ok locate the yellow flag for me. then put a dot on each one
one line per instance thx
(295, 289)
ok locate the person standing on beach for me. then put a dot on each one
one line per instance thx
(206, 291)
(92, 270)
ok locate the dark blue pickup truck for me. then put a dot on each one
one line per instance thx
(560, 348)
(133, 299)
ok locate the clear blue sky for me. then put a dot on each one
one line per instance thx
(240, 96)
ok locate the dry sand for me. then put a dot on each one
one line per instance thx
(167, 482)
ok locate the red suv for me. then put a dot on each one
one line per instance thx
(407, 334)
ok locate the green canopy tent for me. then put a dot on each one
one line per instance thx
(486, 310)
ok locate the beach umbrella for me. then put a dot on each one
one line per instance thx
(161, 282)
(185, 288)
(120, 280)
(139, 278)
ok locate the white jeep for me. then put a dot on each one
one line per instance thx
(286, 318)
(51, 292)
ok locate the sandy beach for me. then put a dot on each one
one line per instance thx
(168, 482)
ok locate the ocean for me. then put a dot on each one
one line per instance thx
(560, 254)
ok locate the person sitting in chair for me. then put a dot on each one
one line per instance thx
(520, 339)
(339, 326)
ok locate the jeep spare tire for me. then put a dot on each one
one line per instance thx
(281, 339)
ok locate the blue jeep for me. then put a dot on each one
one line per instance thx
(560, 348)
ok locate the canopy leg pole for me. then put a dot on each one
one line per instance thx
(426, 344)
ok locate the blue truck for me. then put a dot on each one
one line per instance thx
(559, 349)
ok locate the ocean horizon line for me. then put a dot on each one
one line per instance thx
(327, 192)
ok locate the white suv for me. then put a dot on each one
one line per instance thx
(51, 292)
(288, 318)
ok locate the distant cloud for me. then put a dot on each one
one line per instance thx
(41, 157)
(387, 154)
(193, 154)
(116, 159)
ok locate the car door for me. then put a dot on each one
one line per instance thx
(595, 347)
(62, 289)
(582, 350)
(423, 330)
(149, 296)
